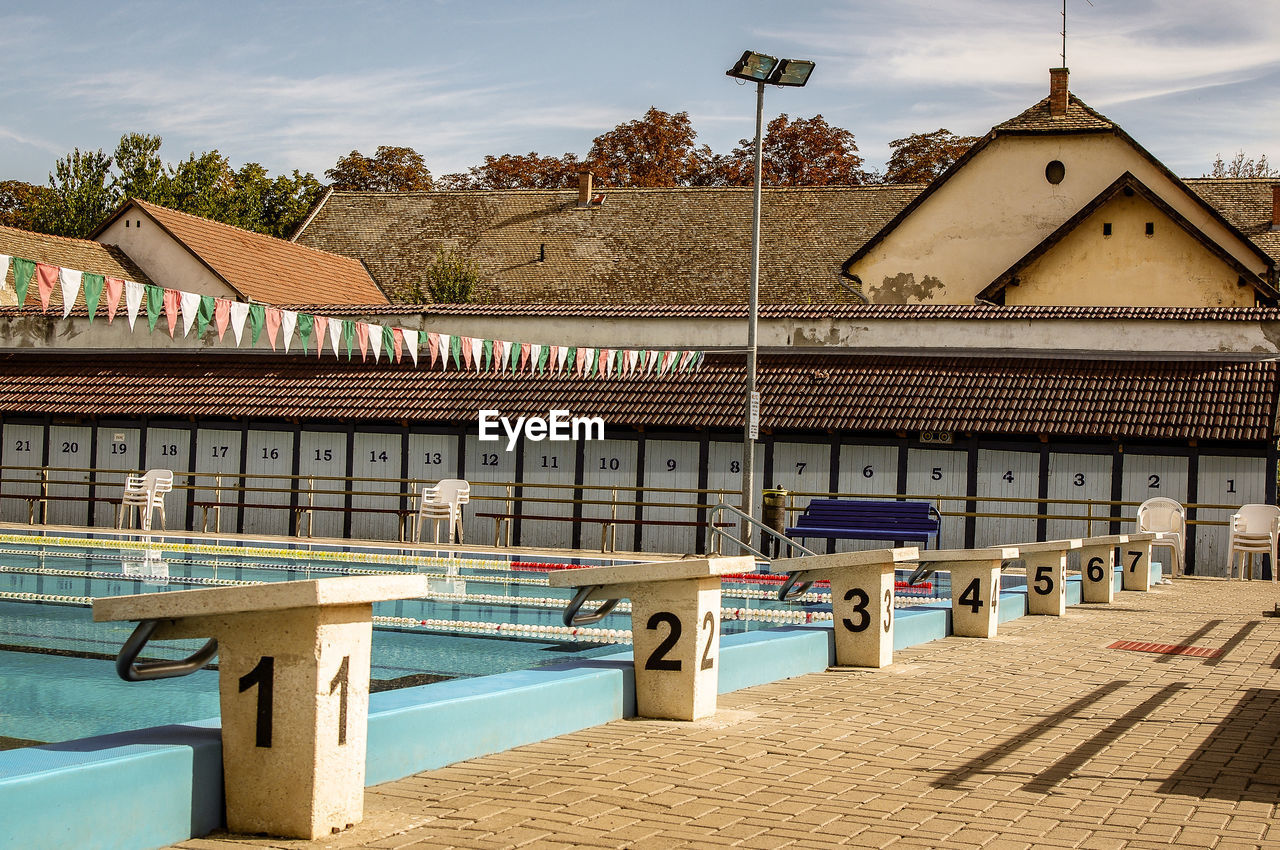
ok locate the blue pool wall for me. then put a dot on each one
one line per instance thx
(158, 786)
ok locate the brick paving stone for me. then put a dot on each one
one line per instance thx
(1042, 737)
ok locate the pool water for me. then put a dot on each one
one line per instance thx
(485, 614)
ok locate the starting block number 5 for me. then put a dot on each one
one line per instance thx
(861, 599)
(658, 658)
(1044, 581)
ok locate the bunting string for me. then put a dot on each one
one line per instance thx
(188, 311)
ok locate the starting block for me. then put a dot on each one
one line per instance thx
(675, 626)
(1047, 575)
(975, 586)
(293, 680)
(1135, 560)
(861, 598)
(1098, 565)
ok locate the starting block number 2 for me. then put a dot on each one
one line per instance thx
(263, 676)
(658, 658)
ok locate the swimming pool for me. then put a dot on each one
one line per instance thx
(485, 613)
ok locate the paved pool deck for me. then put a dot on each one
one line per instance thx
(1042, 737)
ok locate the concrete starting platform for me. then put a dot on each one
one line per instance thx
(1147, 723)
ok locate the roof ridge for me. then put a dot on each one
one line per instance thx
(632, 189)
(147, 205)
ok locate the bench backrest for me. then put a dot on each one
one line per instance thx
(915, 516)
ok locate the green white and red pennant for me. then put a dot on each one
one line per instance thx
(432, 349)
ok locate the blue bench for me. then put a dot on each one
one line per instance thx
(855, 519)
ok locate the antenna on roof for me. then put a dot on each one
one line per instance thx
(1064, 30)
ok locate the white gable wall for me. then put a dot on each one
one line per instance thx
(999, 206)
(162, 257)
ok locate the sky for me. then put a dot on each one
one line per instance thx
(297, 85)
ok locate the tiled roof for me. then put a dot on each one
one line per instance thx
(683, 245)
(1165, 400)
(80, 254)
(1080, 117)
(262, 268)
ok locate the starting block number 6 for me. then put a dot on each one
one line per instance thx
(1095, 569)
(658, 658)
(861, 599)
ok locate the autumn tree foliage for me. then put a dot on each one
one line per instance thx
(517, 171)
(655, 150)
(390, 169)
(921, 157)
(18, 202)
(803, 152)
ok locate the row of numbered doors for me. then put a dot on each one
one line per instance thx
(1006, 481)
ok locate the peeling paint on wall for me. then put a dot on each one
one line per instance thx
(902, 288)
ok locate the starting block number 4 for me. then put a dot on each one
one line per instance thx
(658, 659)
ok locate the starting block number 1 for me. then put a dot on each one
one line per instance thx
(263, 677)
(658, 658)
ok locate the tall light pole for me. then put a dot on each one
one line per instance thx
(759, 69)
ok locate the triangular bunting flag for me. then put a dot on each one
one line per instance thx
(257, 321)
(46, 279)
(561, 355)
(288, 324)
(632, 357)
(433, 348)
(221, 315)
(204, 314)
(337, 329)
(580, 357)
(172, 306)
(486, 354)
(321, 325)
(306, 324)
(349, 336)
(93, 284)
(155, 305)
(133, 300)
(465, 343)
(524, 355)
(114, 288)
(444, 351)
(535, 356)
(455, 348)
(389, 342)
(411, 339)
(190, 303)
(22, 272)
(239, 317)
(397, 342)
(477, 347)
(4, 270)
(70, 280)
(375, 340)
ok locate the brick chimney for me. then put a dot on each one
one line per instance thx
(1057, 92)
(1275, 206)
(584, 188)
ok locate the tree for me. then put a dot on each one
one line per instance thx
(18, 203)
(517, 171)
(82, 195)
(804, 152)
(450, 279)
(392, 169)
(921, 157)
(140, 173)
(1242, 167)
(656, 150)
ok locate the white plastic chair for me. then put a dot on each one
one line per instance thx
(1170, 517)
(434, 509)
(135, 495)
(456, 492)
(158, 483)
(1255, 529)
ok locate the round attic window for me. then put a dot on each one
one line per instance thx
(1054, 172)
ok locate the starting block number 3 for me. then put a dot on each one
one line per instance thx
(658, 658)
(263, 676)
(861, 599)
